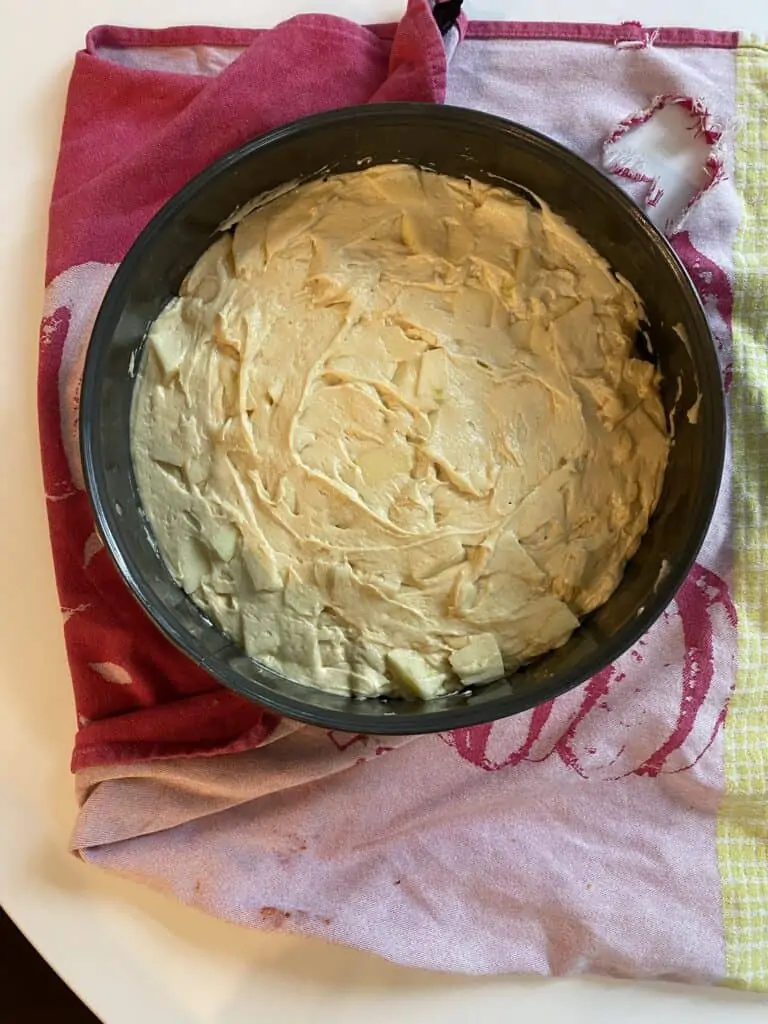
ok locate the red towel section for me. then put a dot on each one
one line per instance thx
(134, 133)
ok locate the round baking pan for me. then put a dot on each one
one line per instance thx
(457, 142)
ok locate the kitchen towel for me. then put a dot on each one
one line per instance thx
(619, 829)
(145, 112)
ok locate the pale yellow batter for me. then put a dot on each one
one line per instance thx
(392, 438)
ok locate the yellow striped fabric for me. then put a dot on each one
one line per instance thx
(743, 819)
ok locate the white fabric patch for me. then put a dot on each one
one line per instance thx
(111, 672)
(672, 150)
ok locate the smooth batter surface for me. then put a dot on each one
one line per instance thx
(392, 437)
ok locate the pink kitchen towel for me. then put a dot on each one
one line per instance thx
(581, 836)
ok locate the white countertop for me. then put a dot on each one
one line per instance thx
(129, 953)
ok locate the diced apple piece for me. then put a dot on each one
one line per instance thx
(326, 291)
(479, 661)
(337, 680)
(261, 630)
(193, 564)
(433, 377)
(365, 681)
(409, 234)
(305, 601)
(168, 340)
(223, 584)
(197, 469)
(460, 240)
(262, 570)
(413, 675)
(299, 644)
(164, 450)
(223, 540)
(404, 379)
(381, 464)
